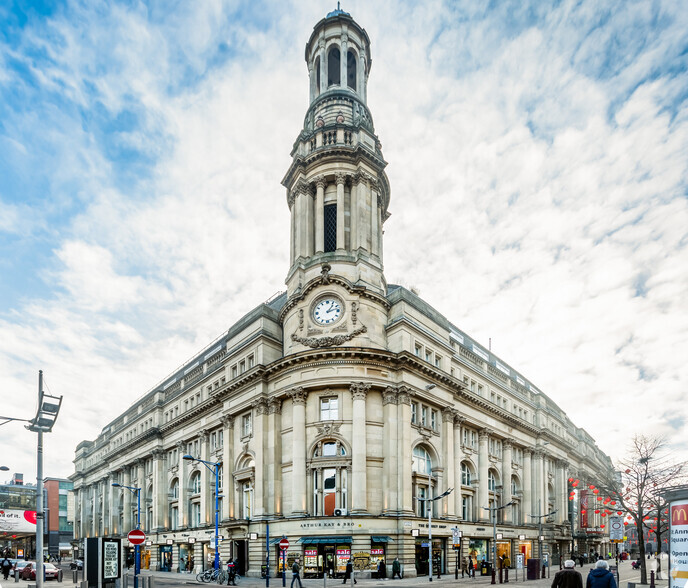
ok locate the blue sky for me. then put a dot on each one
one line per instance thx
(537, 156)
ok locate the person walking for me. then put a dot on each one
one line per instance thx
(600, 576)
(349, 572)
(6, 567)
(568, 577)
(396, 568)
(382, 570)
(296, 573)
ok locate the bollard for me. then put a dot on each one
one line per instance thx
(151, 581)
(506, 575)
(16, 576)
(325, 580)
(83, 584)
(501, 575)
(652, 579)
(493, 576)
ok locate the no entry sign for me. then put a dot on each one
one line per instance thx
(136, 537)
(284, 543)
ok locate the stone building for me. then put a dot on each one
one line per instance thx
(340, 408)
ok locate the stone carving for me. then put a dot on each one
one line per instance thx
(261, 406)
(404, 395)
(298, 395)
(484, 434)
(354, 310)
(448, 415)
(320, 182)
(274, 406)
(389, 396)
(340, 178)
(300, 319)
(359, 390)
(318, 342)
(227, 421)
(325, 273)
(291, 198)
(328, 429)
(507, 444)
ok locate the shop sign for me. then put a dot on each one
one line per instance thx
(425, 526)
(310, 552)
(377, 551)
(678, 544)
(330, 525)
(192, 539)
(343, 552)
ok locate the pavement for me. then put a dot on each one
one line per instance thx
(627, 574)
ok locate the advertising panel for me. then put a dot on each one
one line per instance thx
(678, 545)
(583, 499)
(17, 521)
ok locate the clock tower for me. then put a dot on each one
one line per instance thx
(338, 194)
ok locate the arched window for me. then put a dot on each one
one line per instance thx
(491, 482)
(333, 67)
(422, 463)
(465, 474)
(351, 69)
(317, 76)
(174, 489)
(244, 476)
(196, 483)
(329, 475)
(247, 499)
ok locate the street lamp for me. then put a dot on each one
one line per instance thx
(214, 468)
(493, 513)
(539, 517)
(430, 501)
(137, 549)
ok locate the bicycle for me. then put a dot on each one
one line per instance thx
(220, 576)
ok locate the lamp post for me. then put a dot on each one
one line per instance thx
(137, 549)
(430, 501)
(539, 517)
(493, 514)
(214, 468)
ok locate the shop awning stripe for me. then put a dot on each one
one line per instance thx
(380, 539)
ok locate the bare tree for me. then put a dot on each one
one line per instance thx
(641, 478)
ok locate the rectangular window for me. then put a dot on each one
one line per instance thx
(330, 222)
(329, 409)
(242, 366)
(414, 413)
(438, 360)
(418, 350)
(424, 416)
(428, 356)
(246, 425)
(251, 361)
(466, 508)
(433, 420)
(234, 371)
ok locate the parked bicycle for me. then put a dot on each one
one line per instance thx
(220, 576)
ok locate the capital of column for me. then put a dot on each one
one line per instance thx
(404, 395)
(508, 443)
(448, 415)
(340, 178)
(260, 405)
(562, 464)
(158, 453)
(389, 396)
(227, 421)
(484, 434)
(203, 435)
(181, 445)
(274, 406)
(459, 420)
(320, 182)
(359, 390)
(298, 395)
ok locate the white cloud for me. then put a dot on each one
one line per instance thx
(534, 201)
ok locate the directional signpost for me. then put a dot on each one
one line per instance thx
(136, 537)
(284, 545)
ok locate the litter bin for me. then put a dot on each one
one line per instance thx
(485, 568)
(533, 569)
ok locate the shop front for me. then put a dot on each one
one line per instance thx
(184, 557)
(438, 556)
(525, 548)
(478, 553)
(325, 555)
(165, 558)
(503, 551)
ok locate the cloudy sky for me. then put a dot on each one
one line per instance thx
(538, 161)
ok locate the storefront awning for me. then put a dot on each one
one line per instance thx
(339, 539)
(380, 539)
(275, 540)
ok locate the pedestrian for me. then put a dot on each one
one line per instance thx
(231, 572)
(190, 565)
(600, 576)
(349, 572)
(568, 577)
(471, 568)
(295, 573)
(182, 564)
(580, 560)
(382, 570)
(396, 568)
(6, 567)
(507, 562)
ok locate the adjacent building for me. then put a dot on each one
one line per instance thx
(341, 408)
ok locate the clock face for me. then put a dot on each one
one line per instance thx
(327, 311)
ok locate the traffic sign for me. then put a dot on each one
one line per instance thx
(616, 529)
(284, 544)
(136, 537)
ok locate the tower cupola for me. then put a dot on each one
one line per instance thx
(337, 190)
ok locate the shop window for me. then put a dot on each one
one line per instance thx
(329, 409)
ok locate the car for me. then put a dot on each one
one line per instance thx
(23, 568)
(51, 572)
(77, 564)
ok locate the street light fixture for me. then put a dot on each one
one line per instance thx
(214, 468)
(493, 514)
(137, 549)
(430, 501)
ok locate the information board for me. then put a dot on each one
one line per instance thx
(678, 544)
(110, 559)
(519, 561)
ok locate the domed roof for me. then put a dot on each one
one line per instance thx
(337, 12)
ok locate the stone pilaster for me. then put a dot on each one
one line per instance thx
(228, 458)
(183, 501)
(507, 456)
(483, 467)
(127, 496)
(340, 178)
(404, 437)
(448, 416)
(528, 484)
(320, 214)
(274, 452)
(359, 482)
(160, 490)
(298, 474)
(390, 470)
(458, 458)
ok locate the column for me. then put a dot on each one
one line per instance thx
(260, 410)
(160, 490)
(106, 506)
(527, 485)
(323, 71)
(360, 212)
(561, 490)
(342, 59)
(311, 81)
(507, 451)
(359, 482)
(129, 524)
(404, 441)
(374, 221)
(113, 516)
(320, 214)
(353, 207)
(483, 466)
(183, 501)
(539, 502)
(298, 470)
(291, 199)
(340, 178)
(140, 483)
(207, 479)
(458, 458)
(274, 451)
(361, 73)
(390, 447)
(448, 415)
(309, 220)
(228, 500)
